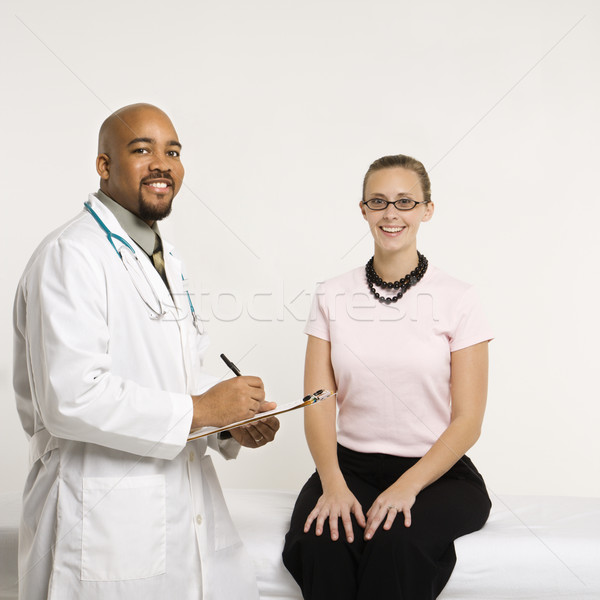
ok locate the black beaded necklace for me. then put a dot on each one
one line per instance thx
(401, 285)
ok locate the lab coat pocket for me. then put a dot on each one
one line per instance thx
(124, 528)
(224, 533)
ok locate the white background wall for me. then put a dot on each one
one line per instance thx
(281, 105)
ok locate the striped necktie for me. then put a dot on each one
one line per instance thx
(159, 261)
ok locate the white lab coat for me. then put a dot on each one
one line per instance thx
(116, 504)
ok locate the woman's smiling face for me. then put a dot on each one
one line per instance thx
(395, 230)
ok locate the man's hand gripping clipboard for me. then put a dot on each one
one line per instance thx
(306, 401)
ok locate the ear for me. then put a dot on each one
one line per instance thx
(103, 166)
(429, 210)
(363, 210)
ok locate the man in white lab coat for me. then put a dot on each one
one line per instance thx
(108, 381)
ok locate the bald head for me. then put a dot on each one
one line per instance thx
(139, 160)
(123, 121)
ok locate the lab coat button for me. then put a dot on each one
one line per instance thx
(199, 519)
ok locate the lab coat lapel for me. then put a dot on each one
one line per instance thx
(158, 286)
(194, 342)
(174, 277)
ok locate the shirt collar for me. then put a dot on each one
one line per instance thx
(141, 233)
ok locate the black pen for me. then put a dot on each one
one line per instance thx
(231, 366)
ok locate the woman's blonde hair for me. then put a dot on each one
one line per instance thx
(405, 162)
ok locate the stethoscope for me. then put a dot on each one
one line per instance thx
(133, 267)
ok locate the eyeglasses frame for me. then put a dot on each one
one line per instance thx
(387, 203)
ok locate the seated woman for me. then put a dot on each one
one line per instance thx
(406, 347)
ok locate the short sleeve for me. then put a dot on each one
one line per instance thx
(470, 325)
(318, 319)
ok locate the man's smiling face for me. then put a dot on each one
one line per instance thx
(139, 161)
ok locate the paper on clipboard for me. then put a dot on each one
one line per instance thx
(306, 401)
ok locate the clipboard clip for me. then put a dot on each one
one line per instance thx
(317, 397)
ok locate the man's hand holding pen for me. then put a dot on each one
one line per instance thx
(233, 400)
(259, 433)
(230, 401)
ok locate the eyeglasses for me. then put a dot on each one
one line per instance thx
(400, 204)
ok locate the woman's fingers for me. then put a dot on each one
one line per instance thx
(347, 524)
(332, 513)
(358, 514)
(333, 526)
(321, 521)
(407, 517)
(375, 516)
(330, 508)
(385, 515)
(391, 515)
(314, 513)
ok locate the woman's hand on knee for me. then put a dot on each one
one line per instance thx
(341, 503)
(397, 499)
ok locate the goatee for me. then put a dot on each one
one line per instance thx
(152, 212)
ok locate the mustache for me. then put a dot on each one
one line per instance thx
(158, 175)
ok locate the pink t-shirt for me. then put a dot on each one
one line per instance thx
(392, 361)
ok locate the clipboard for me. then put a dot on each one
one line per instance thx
(306, 401)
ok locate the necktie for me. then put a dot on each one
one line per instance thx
(158, 260)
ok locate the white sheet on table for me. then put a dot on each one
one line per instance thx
(10, 508)
(262, 518)
(532, 548)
